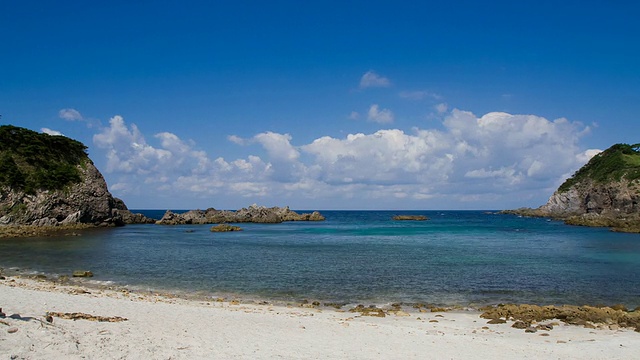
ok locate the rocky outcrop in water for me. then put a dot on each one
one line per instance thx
(410, 218)
(252, 214)
(605, 192)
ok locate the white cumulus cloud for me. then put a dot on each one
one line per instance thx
(70, 115)
(371, 79)
(381, 116)
(471, 161)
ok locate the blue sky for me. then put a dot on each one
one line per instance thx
(326, 105)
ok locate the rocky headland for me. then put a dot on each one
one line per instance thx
(253, 214)
(48, 183)
(605, 193)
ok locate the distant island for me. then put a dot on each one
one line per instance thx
(605, 193)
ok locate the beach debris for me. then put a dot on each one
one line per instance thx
(83, 316)
(2, 315)
(334, 305)
(545, 327)
(82, 273)
(49, 318)
(372, 310)
(225, 228)
(429, 308)
(12, 330)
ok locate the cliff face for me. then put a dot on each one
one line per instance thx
(604, 192)
(88, 202)
(614, 198)
(49, 181)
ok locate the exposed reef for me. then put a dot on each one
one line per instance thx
(252, 214)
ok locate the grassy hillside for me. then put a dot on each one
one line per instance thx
(31, 161)
(617, 162)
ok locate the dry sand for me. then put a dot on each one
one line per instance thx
(160, 327)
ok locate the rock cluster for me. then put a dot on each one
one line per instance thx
(588, 316)
(253, 214)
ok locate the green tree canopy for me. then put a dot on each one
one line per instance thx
(30, 160)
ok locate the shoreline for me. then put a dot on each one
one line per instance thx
(160, 326)
(67, 280)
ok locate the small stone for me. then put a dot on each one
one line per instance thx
(546, 327)
(530, 329)
(82, 273)
(49, 318)
(12, 330)
(433, 321)
(496, 321)
(520, 325)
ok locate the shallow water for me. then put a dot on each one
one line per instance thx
(456, 258)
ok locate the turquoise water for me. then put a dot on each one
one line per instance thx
(457, 257)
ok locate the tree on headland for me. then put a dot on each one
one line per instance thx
(30, 161)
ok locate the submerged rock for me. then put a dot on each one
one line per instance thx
(225, 228)
(411, 217)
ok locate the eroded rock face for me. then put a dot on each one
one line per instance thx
(87, 202)
(620, 197)
(253, 214)
(614, 204)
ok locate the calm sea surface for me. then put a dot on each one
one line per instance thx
(458, 257)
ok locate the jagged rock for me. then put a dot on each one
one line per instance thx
(252, 214)
(87, 202)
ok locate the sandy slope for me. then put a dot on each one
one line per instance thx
(166, 328)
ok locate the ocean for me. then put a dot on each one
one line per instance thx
(466, 258)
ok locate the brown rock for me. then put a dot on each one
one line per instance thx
(225, 228)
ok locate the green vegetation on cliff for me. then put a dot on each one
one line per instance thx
(31, 161)
(617, 162)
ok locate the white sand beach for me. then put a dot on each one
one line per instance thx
(159, 327)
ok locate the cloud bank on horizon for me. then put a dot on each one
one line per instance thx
(469, 162)
(473, 162)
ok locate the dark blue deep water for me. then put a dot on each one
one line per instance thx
(457, 257)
